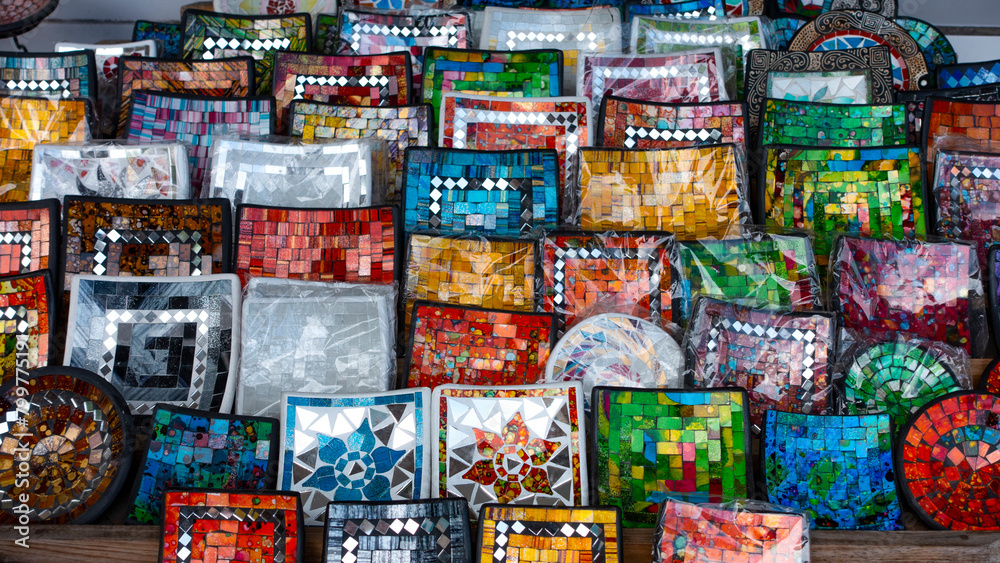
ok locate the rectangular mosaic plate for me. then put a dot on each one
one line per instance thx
(168, 340)
(25, 122)
(967, 198)
(915, 101)
(540, 534)
(485, 431)
(355, 448)
(192, 449)
(968, 74)
(62, 75)
(979, 122)
(832, 125)
(211, 525)
(27, 311)
(29, 237)
(652, 443)
(686, 76)
(166, 35)
(652, 125)
(503, 193)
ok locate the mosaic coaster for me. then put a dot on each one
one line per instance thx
(783, 360)
(26, 122)
(967, 198)
(230, 78)
(933, 43)
(651, 125)
(911, 287)
(166, 35)
(687, 76)
(164, 340)
(945, 117)
(813, 8)
(968, 74)
(29, 237)
(503, 193)
(193, 119)
(136, 237)
(397, 127)
(150, 171)
(832, 87)
(785, 122)
(517, 444)
(837, 469)
(213, 525)
(782, 30)
(405, 531)
(475, 346)
(193, 449)
(851, 29)
(739, 531)
(537, 534)
(28, 309)
(654, 443)
(990, 380)
(259, 7)
(48, 75)
(209, 36)
(915, 102)
(355, 448)
(948, 462)
(692, 192)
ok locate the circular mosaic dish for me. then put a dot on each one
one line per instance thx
(933, 44)
(76, 431)
(948, 462)
(896, 378)
(783, 29)
(990, 380)
(21, 16)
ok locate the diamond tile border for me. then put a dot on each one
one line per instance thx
(608, 547)
(92, 88)
(680, 135)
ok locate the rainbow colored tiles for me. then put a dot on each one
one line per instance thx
(25, 122)
(691, 76)
(540, 534)
(27, 309)
(650, 125)
(967, 198)
(786, 122)
(61, 75)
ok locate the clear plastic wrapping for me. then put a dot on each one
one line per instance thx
(966, 189)
(25, 122)
(959, 124)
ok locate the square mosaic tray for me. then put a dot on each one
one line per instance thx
(785, 122)
(967, 198)
(27, 310)
(972, 119)
(962, 75)
(539, 534)
(29, 237)
(916, 101)
(25, 122)
(636, 124)
(62, 75)
(686, 76)
(166, 35)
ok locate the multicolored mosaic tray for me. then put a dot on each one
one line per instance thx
(256, 7)
(25, 122)
(166, 35)
(28, 309)
(689, 76)
(989, 382)
(654, 443)
(165, 340)
(967, 198)
(970, 121)
(29, 237)
(213, 525)
(962, 75)
(522, 443)
(503, 193)
(813, 8)
(846, 462)
(193, 449)
(915, 102)
(539, 534)
(933, 43)
(948, 462)
(351, 448)
(652, 125)
(49, 75)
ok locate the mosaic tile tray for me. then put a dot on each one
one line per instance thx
(193, 449)
(211, 525)
(522, 443)
(406, 531)
(782, 29)
(785, 122)
(910, 287)
(846, 462)
(210, 36)
(653, 443)
(783, 360)
(232, 77)
(355, 448)
(155, 116)
(933, 43)
(137, 237)
(28, 309)
(833, 87)
(962, 75)
(475, 346)
(29, 237)
(969, 122)
(49, 75)
(166, 35)
(257, 7)
(693, 192)
(990, 379)
(397, 127)
(164, 340)
(75, 431)
(25, 122)
(652, 125)
(967, 198)
(537, 534)
(150, 171)
(948, 462)
(813, 8)
(504, 193)
(915, 101)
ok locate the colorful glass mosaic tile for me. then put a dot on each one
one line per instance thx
(832, 87)
(692, 192)
(504, 193)
(782, 30)
(212, 525)
(845, 463)
(157, 116)
(968, 74)
(75, 431)
(474, 346)
(944, 117)
(537, 534)
(933, 43)
(25, 122)
(911, 287)
(140, 237)
(738, 530)
(21, 16)
(28, 308)
(29, 237)
(948, 458)
(355, 448)
(652, 443)
(689, 76)
(194, 449)
(520, 444)
(813, 8)
(680, 10)
(967, 198)
(166, 35)
(417, 5)
(258, 7)
(991, 280)
(915, 102)
(62, 75)
(411, 531)
(167, 340)
(208, 35)
(785, 122)
(990, 379)
(651, 125)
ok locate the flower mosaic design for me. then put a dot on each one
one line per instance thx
(513, 462)
(355, 467)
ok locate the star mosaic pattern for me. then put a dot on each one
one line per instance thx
(513, 444)
(167, 339)
(29, 237)
(405, 531)
(166, 35)
(195, 449)
(26, 122)
(49, 75)
(783, 360)
(948, 456)
(831, 87)
(946, 117)
(837, 469)
(650, 125)
(968, 74)
(786, 122)
(653, 443)
(345, 448)
(690, 76)
(27, 309)
(538, 534)
(967, 198)
(502, 193)
(211, 525)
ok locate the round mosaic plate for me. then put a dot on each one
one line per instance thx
(21, 16)
(990, 380)
(853, 29)
(948, 459)
(76, 430)
(933, 44)
(618, 351)
(896, 378)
